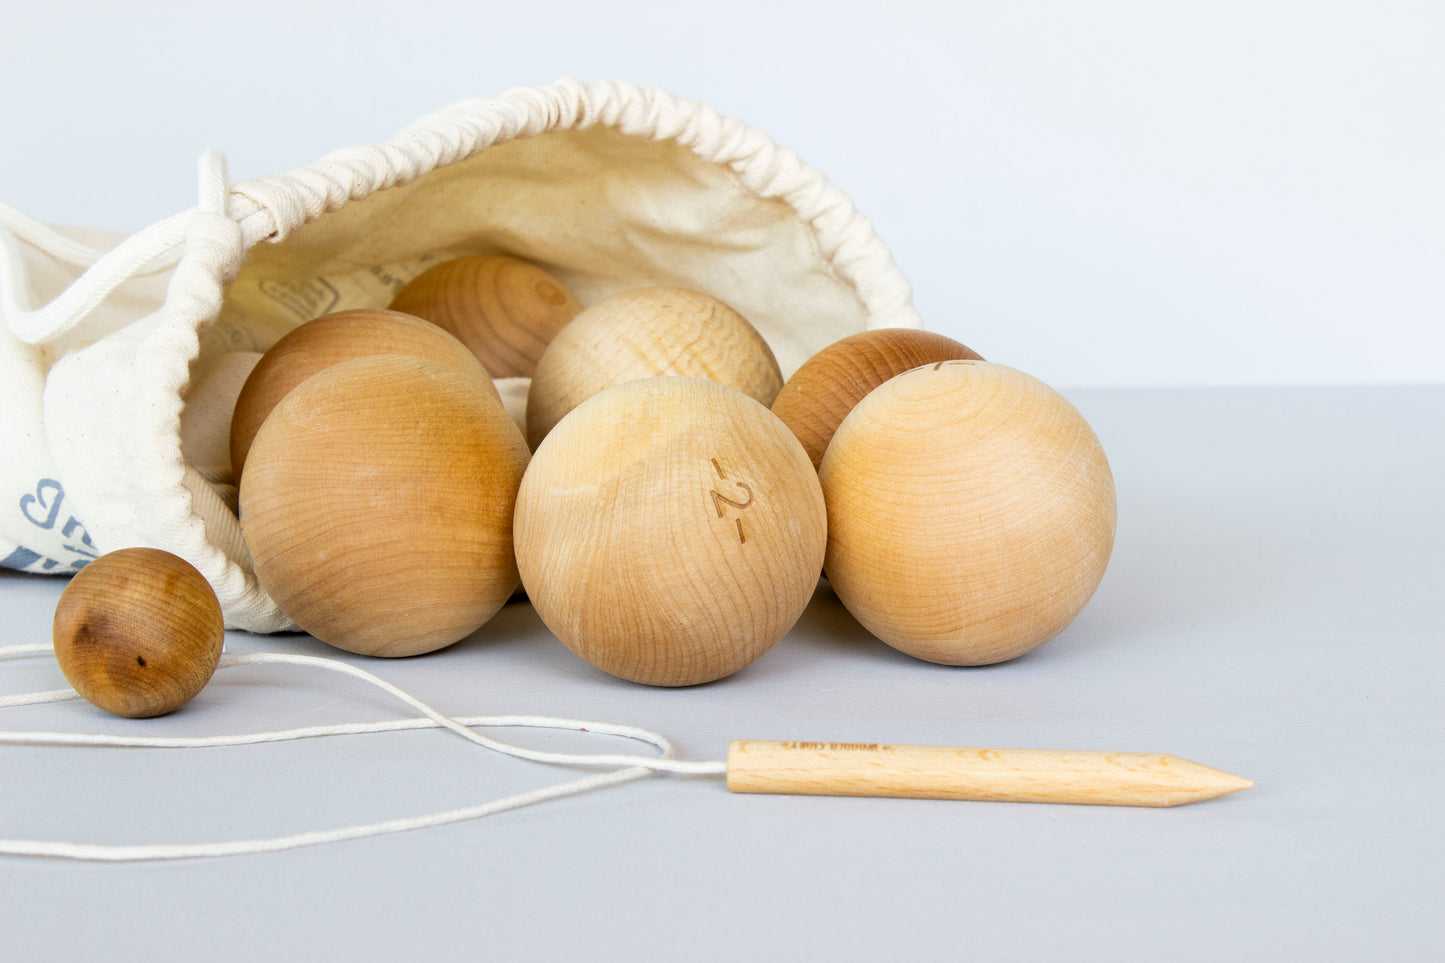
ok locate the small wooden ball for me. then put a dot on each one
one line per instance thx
(646, 333)
(970, 512)
(505, 310)
(820, 394)
(330, 339)
(670, 531)
(138, 632)
(377, 505)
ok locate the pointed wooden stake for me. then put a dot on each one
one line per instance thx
(998, 775)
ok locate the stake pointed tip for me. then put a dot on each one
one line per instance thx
(1232, 783)
(1208, 783)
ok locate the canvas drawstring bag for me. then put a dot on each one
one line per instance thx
(121, 357)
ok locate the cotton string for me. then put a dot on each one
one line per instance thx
(150, 251)
(633, 767)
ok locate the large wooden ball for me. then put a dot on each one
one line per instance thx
(819, 395)
(970, 512)
(330, 339)
(645, 333)
(670, 531)
(505, 310)
(138, 632)
(377, 505)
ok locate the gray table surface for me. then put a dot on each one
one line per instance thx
(1275, 607)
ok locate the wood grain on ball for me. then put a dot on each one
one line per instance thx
(505, 310)
(670, 531)
(138, 632)
(646, 333)
(331, 339)
(819, 395)
(971, 512)
(377, 505)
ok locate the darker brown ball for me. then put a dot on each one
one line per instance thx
(830, 384)
(138, 632)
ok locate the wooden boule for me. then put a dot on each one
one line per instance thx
(971, 512)
(138, 632)
(505, 310)
(819, 395)
(377, 505)
(670, 531)
(644, 333)
(331, 339)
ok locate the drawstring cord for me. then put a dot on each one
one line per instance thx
(150, 251)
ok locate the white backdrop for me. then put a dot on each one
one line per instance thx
(1101, 194)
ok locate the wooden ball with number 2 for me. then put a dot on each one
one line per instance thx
(670, 530)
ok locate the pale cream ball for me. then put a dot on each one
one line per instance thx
(670, 531)
(971, 512)
(644, 333)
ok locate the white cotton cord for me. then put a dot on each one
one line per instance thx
(67, 249)
(41, 235)
(248, 847)
(39, 698)
(154, 250)
(150, 251)
(634, 767)
(16, 651)
(313, 732)
(33, 698)
(128, 259)
(436, 720)
(535, 755)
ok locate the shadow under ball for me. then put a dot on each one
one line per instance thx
(670, 531)
(645, 333)
(819, 395)
(971, 512)
(506, 311)
(377, 505)
(138, 632)
(328, 340)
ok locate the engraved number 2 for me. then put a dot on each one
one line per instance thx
(719, 500)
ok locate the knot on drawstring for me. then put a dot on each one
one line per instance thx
(210, 229)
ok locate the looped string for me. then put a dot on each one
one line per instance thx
(633, 767)
(149, 251)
